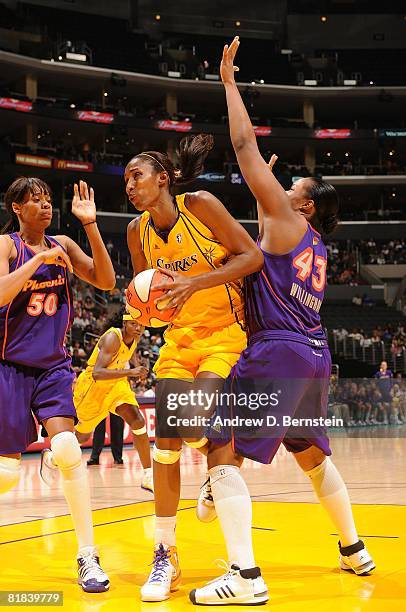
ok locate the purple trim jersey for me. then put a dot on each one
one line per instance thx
(285, 297)
(33, 325)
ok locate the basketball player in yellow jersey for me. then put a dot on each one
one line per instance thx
(206, 253)
(103, 387)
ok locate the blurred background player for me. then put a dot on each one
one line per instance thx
(116, 440)
(103, 388)
(35, 369)
(194, 235)
(286, 343)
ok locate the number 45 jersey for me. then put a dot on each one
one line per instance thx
(285, 297)
(33, 325)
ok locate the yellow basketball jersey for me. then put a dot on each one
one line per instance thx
(120, 359)
(191, 249)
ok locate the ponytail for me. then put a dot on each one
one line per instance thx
(329, 224)
(190, 155)
(326, 203)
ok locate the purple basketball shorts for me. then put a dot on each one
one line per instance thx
(27, 391)
(276, 393)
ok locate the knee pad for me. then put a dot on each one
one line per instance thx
(139, 432)
(166, 457)
(10, 471)
(66, 451)
(198, 443)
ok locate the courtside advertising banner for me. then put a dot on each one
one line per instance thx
(18, 105)
(96, 117)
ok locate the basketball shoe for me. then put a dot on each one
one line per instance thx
(165, 575)
(147, 481)
(356, 558)
(91, 577)
(48, 471)
(205, 509)
(235, 587)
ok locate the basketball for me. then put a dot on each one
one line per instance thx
(141, 295)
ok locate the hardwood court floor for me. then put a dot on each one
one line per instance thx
(294, 541)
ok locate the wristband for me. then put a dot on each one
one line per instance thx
(90, 223)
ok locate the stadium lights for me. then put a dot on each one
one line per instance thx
(60, 58)
(392, 152)
(371, 82)
(158, 17)
(323, 18)
(346, 154)
(105, 94)
(238, 23)
(73, 105)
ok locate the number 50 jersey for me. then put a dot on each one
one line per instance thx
(285, 297)
(33, 325)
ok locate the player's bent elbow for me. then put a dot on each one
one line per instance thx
(96, 375)
(110, 286)
(256, 260)
(105, 285)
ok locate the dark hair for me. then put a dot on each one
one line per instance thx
(326, 201)
(19, 192)
(191, 154)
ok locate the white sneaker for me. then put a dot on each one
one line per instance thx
(147, 481)
(205, 509)
(48, 471)
(165, 575)
(356, 559)
(235, 587)
(91, 577)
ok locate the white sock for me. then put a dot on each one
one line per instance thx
(333, 496)
(75, 486)
(234, 510)
(165, 530)
(148, 471)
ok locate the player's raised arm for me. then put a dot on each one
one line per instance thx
(269, 193)
(11, 283)
(108, 348)
(98, 269)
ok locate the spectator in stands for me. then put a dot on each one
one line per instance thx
(356, 334)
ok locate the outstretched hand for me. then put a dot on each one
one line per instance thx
(83, 205)
(227, 68)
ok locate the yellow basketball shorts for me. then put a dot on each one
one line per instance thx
(190, 350)
(94, 400)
